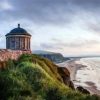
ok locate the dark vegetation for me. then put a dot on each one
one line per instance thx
(35, 78)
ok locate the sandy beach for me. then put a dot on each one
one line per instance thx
(73, 67)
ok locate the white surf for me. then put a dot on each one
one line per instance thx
(91, 73)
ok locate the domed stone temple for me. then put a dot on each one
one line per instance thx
(18, 39)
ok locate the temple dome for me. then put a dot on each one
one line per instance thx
(18, 31)
(18, 39)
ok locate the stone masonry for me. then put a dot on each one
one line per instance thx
(6, 54)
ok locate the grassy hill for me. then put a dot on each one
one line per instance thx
(35, 78)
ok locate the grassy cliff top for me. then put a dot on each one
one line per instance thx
(35, 78)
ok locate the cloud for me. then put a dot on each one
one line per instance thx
(76, 44)
(57, 12)
(94, 27)
(87, 5)
(71, 16)
(5, 5)
(43, 11)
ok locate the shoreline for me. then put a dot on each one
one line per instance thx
(92, 88)
(73, 67)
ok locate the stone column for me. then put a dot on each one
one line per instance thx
(20, 42)
(7, 42)
(24, 43)
(27, 43)
(14, 42)
(10, 43)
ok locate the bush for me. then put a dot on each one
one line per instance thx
(11, 85)
(10, 64)
(53, 94)
(34, 74)
(25, 57)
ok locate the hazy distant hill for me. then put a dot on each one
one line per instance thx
(42, 52)
(55, 57)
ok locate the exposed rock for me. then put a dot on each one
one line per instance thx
(65, 74)
(81, 89)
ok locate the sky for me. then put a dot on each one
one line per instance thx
(71, 27)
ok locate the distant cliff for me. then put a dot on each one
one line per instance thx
(55, 57)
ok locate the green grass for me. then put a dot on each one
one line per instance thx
(35, 78)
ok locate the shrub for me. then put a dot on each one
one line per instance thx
(34, 74)
(11, 85)
(10, 64)
(52, 94)
(25, 57)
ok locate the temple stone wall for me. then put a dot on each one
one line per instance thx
(18, 42)
(6, 54)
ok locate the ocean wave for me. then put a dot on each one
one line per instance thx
(91, 73)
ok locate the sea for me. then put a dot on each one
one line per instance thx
(89, 75)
